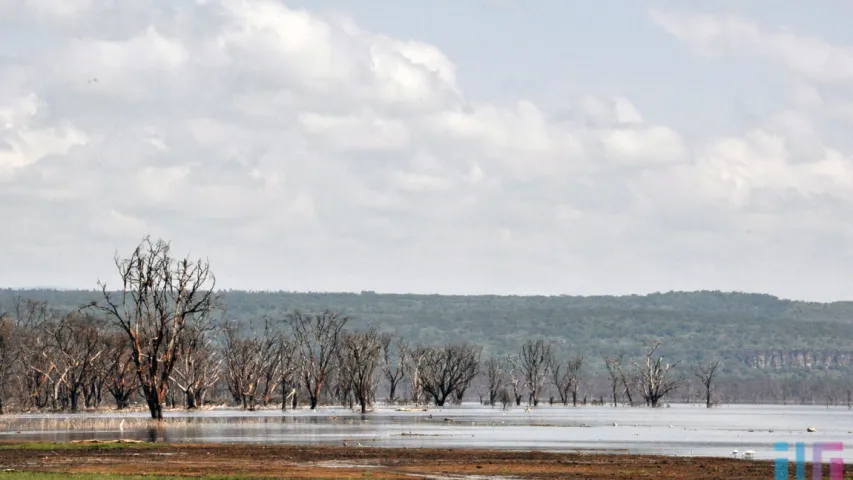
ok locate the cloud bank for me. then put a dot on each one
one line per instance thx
(299, 151)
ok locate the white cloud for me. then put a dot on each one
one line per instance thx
(299, 150)
(809, 56)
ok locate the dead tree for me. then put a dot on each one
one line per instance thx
(271, 351)
(73, 344)
(242, 365)
(567, 378)
(536, 356)
(655, 377)
(394, 353)
(121, 379)
(414, 365)
(198, 366)
(515, 378)
(705, 372)
(449, 369)
(35, 383)
(9, 351)
(614, 371)
(289, 370)
(494, 379)
(318, 338)
(359, 356)
(160, 297)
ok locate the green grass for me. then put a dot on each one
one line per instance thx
(53, 446)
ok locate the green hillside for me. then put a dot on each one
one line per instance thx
(740, 328)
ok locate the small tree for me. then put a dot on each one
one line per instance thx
(705, 372)
(160, 297)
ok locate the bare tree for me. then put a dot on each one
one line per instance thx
(160, 297)
(289, 370)
(515, 378)
(198, 366)
(414, 365)
(394, 353)
(121, 379)
(505, 399)
(705, 372)
(614, 371)
(655, 375)
(270, 361)
(360, 355)
(9, 352)
(494, 379)
(75, 344)
(242, 365)
(449, 369)
(318, 337)
(567, 378)
(536, 356)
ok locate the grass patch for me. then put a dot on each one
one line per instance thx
(53, 446)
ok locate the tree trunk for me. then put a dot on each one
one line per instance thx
(154, 399)
(191, 399)
(392, 389)
(75, 399)
(707, 397)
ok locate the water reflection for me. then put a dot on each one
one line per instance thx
(680, 430)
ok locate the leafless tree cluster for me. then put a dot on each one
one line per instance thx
(161, 335)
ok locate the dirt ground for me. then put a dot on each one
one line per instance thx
(303, 462)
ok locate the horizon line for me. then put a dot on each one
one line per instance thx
(437, 294)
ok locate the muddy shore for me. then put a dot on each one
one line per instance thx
(304, 462)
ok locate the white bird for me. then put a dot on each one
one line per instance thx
(121, 426)
(734, 453)
(749, 454)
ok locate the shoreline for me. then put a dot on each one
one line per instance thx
(308, 461)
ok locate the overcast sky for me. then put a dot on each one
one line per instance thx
(479, 146)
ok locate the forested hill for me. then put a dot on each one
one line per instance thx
(751, 332)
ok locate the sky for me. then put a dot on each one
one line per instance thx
(486, 146)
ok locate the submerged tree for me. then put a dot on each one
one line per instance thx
(494, 379)
(449, 369)
(567, 378)
(8, 356)
(705, 372)
(359, 356)
(536, 357)
(318, 338)
(159, 299)
(655, 376)
(394, 359)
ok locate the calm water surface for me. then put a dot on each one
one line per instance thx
(680, 430)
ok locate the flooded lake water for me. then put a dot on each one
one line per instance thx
(689, 430)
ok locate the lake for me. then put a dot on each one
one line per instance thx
(689, 430)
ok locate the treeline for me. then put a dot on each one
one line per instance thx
(755, 336)
(160, 335)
